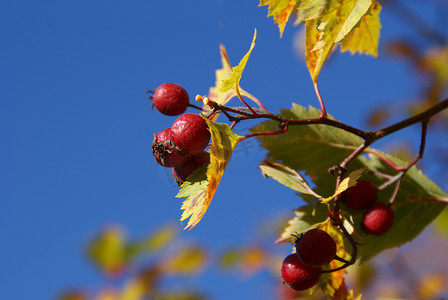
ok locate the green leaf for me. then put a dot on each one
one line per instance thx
(286, 176)
(306, 217)
(316, 148)
(200, 187)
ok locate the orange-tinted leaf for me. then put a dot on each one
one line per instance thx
(431, 286)
(333, 284)
(73, 295)
(108, 294)
(200, 191)
(365, 37)
(141, 285)
(280, 10)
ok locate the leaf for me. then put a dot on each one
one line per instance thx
(321, 34)
(306, 217)
(286, 176)
(365, 37)
(280, 10)
(234, 80)
(199, 189)
(186, 261)
(108, 251)
(348, 182)
(333, 284)
(310, 9)
(316, 148)
(152, 243)
(225, 72)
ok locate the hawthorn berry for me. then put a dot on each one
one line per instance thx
(164, 151)
(182, 172)
(316, 248)
(360, 196)
(378, 219)
(298, 275)
(171, 99)
(190, 134)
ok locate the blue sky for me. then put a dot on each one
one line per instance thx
(76, 129)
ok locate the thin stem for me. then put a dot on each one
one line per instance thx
(242, 100)
(321, 102)
(284, 128)
(194, 106)
(423, 116)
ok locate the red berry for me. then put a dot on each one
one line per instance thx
(164, 152)
(360, 196)
(316, 248)
(298, 275)
(171, 99)
(378, 219)
(182, 172)
(190, 134)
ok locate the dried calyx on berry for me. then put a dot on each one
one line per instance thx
(164, 150)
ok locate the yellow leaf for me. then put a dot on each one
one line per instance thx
(340, 18)
(108, 251)
(280, 10)
(333, 283)
(364, 38)
(234, 80)
(348, 182)
(200, 194)
(222, 74)
(186, 261)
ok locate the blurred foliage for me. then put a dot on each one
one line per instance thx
(136, 269)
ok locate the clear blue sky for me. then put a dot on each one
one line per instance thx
(76, 130)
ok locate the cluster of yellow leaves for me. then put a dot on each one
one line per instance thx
(116, 256)
(353, 24)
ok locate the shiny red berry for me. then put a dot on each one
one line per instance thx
(298, 275)
(190, 134)
(164, 151)
(360, 196)
(182, 172)
(316, 248)
(378, 219)
(171, 99)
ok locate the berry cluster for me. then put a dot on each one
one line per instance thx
(181, 146)
(377, 218)
(314, 249)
